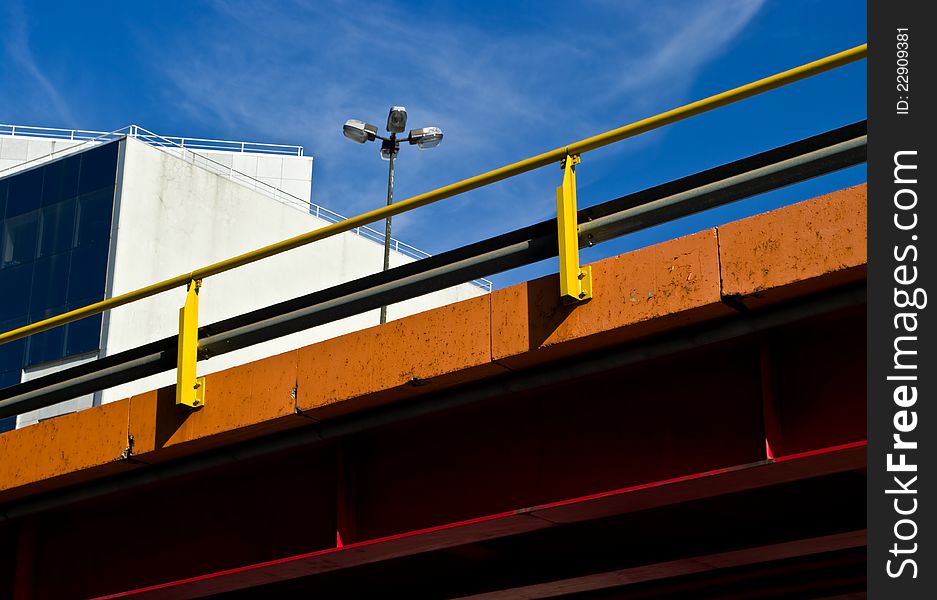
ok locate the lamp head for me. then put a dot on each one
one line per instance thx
(397, 119)
(359, 131)
(388, 147)
(425, 138)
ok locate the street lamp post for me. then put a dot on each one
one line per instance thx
(361, 132)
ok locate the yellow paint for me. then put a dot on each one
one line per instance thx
(190, 389)
(575, 282)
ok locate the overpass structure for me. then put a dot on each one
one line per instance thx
(684, 420)
(695, 430)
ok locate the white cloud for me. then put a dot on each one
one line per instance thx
(294, 75)
(16, 48)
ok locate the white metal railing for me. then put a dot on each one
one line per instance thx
(184, 142)
(83, 139)
(178, 148)
(229, 172)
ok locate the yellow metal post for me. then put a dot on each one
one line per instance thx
(575, 281)
(190, 389)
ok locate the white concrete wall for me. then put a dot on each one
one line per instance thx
(15, 151)
(291, 174)
(173, 217)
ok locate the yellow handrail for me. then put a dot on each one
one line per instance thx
(535, 162)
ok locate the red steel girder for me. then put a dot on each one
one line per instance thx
(826, 461)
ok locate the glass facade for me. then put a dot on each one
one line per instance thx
(55, 223)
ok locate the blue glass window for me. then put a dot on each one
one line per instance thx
(24, 192)
(50, 275)
(15, 283)
(19, 239)
(48, 345)
(57, 227)
(60, 180)
(8, 378)
(4, 186)
(87, 271)
(55, 223)
(83, 335)
(12, 353)
(94, 216)
(98, 169)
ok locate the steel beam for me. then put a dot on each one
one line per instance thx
(820, 463)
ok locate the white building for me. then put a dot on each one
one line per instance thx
(84, 220)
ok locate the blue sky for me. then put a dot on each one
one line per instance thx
(503, 80)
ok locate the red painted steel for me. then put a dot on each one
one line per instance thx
(25, 560)
(814, 463)
(687, 566)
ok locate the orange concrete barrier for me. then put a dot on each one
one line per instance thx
(64, 450)
(791, 251)
(647, 291)
(428, 351)
(795, 250)
(246, 401)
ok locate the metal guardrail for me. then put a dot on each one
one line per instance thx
(183, 142)
(718, 186)
(82, 144)
(169, 144)
(559, 155)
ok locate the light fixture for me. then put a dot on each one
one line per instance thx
(359, 131)
(397, 119)
(388, 148)
(427, 137)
